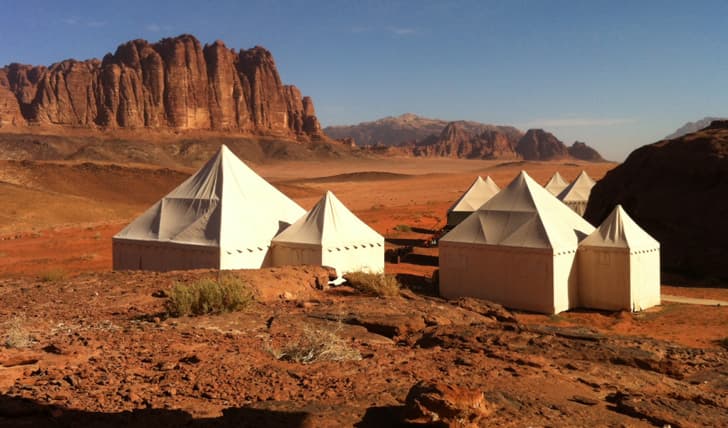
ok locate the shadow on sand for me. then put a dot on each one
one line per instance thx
(18, 412)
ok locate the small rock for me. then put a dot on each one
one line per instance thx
(191, 359)
(584, 400)
(52, 349)
(428, 403)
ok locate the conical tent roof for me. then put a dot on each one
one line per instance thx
(556, 184)
(477, 194)
(224, 204)
(620, 231)
(524, 214)
(578, 190)
(331, 225)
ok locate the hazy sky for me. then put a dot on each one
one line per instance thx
(616, 74)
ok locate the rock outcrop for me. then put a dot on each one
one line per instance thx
(484, 142)
(538, 144)
(675, 189)
(582, 151)
(173, 84)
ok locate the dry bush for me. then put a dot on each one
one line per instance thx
(317, 343)
(53, 275)
(208, 296)
(724, 342)
(377, 284)
(16, 335)
(403, 228)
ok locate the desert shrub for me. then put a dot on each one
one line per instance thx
(16, 335)
(52, 275)
(377, 284)
(402, 228)
(317, 343)
(208, 296)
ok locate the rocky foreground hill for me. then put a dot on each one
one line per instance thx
(174, 84)
(676, 190)
(418, 136)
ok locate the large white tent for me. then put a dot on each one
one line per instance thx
(556, 184)
(477, 194)
(576, 194)
(518, 250)
(224, 216)
(619, 266)
(330, 235)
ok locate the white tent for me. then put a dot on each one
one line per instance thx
(330, 235)
(477, 194)
(556, 184)
(518, 250)
(619, 266)
(576, 194)
(224, 216)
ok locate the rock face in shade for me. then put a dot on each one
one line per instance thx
(538, 144)
(582, 151)
(173, 84)
(675, 190)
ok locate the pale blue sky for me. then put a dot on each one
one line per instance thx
(616, 74)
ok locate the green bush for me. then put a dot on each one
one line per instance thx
(208, 296)
(377, 284)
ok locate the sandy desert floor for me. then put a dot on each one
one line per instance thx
(100, 353)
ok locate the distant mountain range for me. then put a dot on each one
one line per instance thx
(420, 136)
(691, 127)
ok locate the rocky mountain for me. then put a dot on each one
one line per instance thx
(691, 127)
(675, 189)
(419, 136)
(392, 131)
(463, 140)
(501, 142)
(175, 84)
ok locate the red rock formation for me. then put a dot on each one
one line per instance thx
(676, 190)
(582, 151)
(488, 142)
(174, 83)
(538, 144)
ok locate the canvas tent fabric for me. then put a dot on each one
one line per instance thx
(619, 266)
(224, 216)
(518, 250)
(477, 194)
(330, 235)
(576, 194)
(556, 184)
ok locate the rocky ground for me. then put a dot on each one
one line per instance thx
(101, 352)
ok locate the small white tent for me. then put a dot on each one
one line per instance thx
(619, 266)
(330, 235)
(576, 194)
(224, 216)
(477, 194)
(556, 184)
(518, 250)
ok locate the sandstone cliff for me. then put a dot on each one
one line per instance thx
(538, 144)
(675, 189)
(173, 84)
(484, 142)
(582, 151)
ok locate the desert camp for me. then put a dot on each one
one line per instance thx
(364, 214)
(518, 250)
(477, 194)
(556, 184)
(330, 235)
(223, 217)
(576, 194)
